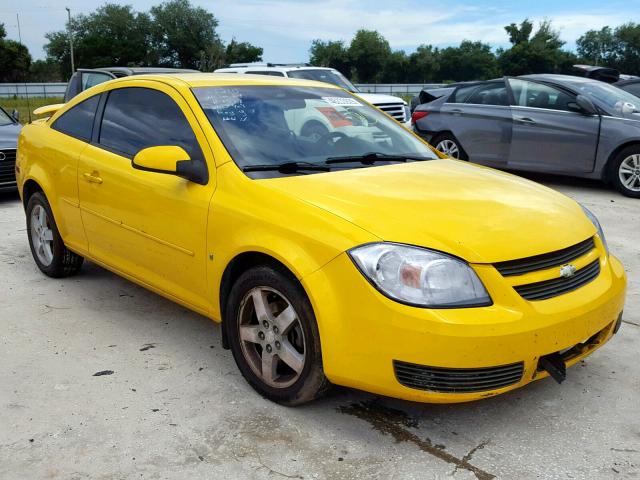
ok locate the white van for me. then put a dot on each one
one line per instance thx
(394, 106)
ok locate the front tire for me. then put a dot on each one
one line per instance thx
(52, 257)
(626, 171)
(274, 336)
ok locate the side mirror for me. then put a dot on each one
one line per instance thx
(171, 160)
(586, 105)
(16, 115)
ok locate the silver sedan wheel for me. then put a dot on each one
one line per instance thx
(41, 235)
(449, 148)
(271, 337)
(629, 172)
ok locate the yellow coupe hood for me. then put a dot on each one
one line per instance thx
(479, 214)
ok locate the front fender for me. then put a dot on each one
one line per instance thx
(299, 235)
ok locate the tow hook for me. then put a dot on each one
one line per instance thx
(554, 365)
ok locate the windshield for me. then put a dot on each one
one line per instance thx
(613, 97)
(5, 119)
(272, 125)
(328, 76)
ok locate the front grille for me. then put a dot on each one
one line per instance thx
(396, 110)
(8, 166)
(558, 286)
(457, 380)
(546, 260)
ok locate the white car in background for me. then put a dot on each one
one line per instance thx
(394, 106)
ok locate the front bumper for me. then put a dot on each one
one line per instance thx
(363, 333)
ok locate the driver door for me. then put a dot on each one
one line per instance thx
(146, 225)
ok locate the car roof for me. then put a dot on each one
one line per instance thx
(126, 71)
(553, 77)
(223, 79)
(271, 68)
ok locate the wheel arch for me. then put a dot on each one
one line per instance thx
(442, 133)
(607, 171)
(236, 267)
(28, 189)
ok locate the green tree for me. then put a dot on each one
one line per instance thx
(14, 59)
(423, 65)
(396, 68)
(597, 47)
(519, 34)
(113, 35)
(469, 61)
(369, 52)
(540, 53)
(330, 54)
(242, 52)
(627, 48)
(182, 34)
(45, 71)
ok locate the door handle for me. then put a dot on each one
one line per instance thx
(92, 177)
(525, 120)
(456, 111)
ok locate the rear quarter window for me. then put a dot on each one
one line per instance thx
(77, 122)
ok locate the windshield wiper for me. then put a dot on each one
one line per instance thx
(287, 167)
(372, 157)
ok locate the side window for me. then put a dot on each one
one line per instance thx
(494, 93)
(538, 95)
(77, 122)
(91, 79)
(461, 94)
(135, 118)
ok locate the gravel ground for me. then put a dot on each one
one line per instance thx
(171, 404)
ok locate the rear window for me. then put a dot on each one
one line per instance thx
(77, 122)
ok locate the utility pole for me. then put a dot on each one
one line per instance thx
(73, 67)
(19, 33)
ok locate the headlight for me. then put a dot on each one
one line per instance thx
(420, 277)
(407, 113)
(596, 224)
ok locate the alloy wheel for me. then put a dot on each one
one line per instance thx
(449, 148)
(271, 337)
(41, 235)
(629, 172)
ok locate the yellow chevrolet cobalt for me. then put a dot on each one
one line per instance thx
(333, 245)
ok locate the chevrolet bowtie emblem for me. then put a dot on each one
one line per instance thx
(567, 270)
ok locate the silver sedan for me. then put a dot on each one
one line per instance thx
(541, 123)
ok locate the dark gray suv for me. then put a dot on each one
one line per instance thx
(543, 123)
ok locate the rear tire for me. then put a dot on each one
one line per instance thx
(52, 257)
(449, 145)
(625, 171)
(274, 336)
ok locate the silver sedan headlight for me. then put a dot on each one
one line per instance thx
(420, 277)
(596, 224)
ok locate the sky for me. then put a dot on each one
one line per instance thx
(286, 28)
